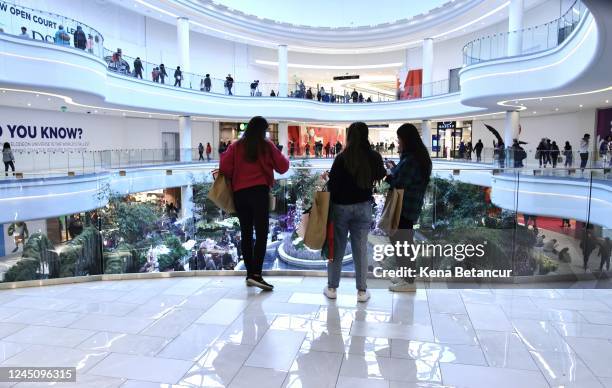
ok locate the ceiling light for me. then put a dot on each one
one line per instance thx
(96, 111)
(580, 105)
(534, 112)
(38, 95)
(607, 101)
(29, 104)
(556, 109)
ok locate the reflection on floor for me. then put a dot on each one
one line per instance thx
(213, 331)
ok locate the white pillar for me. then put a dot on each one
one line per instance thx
(216, 139)
(428, 59)
(282, 71)
(187, 202)
(426, 133)
(185, 138)
(511, 127)
(515, 27)
(182, 35)
(283, 136)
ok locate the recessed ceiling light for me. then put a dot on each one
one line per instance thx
(556, 109)
(607, 101)
(580, 105)
(534, 112)
(150, 116)
(29, 104)
(38, 95)
(49, 99)
(540, 99)
(95, 111)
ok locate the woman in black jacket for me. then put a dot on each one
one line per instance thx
(411, 174)
(351, 180)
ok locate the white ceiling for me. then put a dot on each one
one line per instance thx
(335, 13)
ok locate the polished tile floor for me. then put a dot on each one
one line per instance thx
(214, 332)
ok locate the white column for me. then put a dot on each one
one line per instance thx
(283, 136)
(282, 71)
(187, 202)
(182, 35)
(515, 27)
(216, 139)
(511, 127)
(185, 138)
(428, 59)
(426, 133)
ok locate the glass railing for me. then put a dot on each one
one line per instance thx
(38, 164)
(522, 223)
(44, 26)
(431, 89)
(125, 65)
(50, 163)
(526, 41)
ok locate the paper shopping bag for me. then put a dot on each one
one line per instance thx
(389, 221)
(221, 193)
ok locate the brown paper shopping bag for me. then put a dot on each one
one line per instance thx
(316, 221)
(221, 193)
(392, 211)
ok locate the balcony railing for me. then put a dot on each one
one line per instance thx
(147, 232)
(530, 40)
(43, 26)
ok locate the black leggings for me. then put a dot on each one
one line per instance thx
(252, 205)
(6, 167)
(405, 233)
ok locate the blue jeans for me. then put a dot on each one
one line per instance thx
(355, 219)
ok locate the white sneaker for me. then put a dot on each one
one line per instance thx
(363, 296)
(330, 292)
(402, 286)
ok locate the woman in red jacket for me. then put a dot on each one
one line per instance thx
(250, 163)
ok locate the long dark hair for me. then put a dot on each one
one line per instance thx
(254, 138)
(356, 153)
(412, 143)
(6, 146)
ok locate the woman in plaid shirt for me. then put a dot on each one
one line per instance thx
(412, 174)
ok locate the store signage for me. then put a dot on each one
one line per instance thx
(41, 25)
(447, 124)
(345, 77)
(43, 136)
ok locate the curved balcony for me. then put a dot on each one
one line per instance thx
(99, 87)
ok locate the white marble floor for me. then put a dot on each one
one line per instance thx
(213, 332)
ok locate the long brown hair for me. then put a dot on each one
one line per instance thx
(412, 143)
(254, 138)
(356, 153)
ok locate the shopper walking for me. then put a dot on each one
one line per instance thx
(603, 150)
(178, 76)
(350, 184)
(8, 158)
(80, 40)
(411, 174)
(478, 148)
(201, 151)
(554, 153)
(229, 82)
(584, 151)
(207, 83)
(138, 68)
(568, 154)
(162, 73)
(605, 251)
(208, 152)
(61, 37)
(250, 164)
